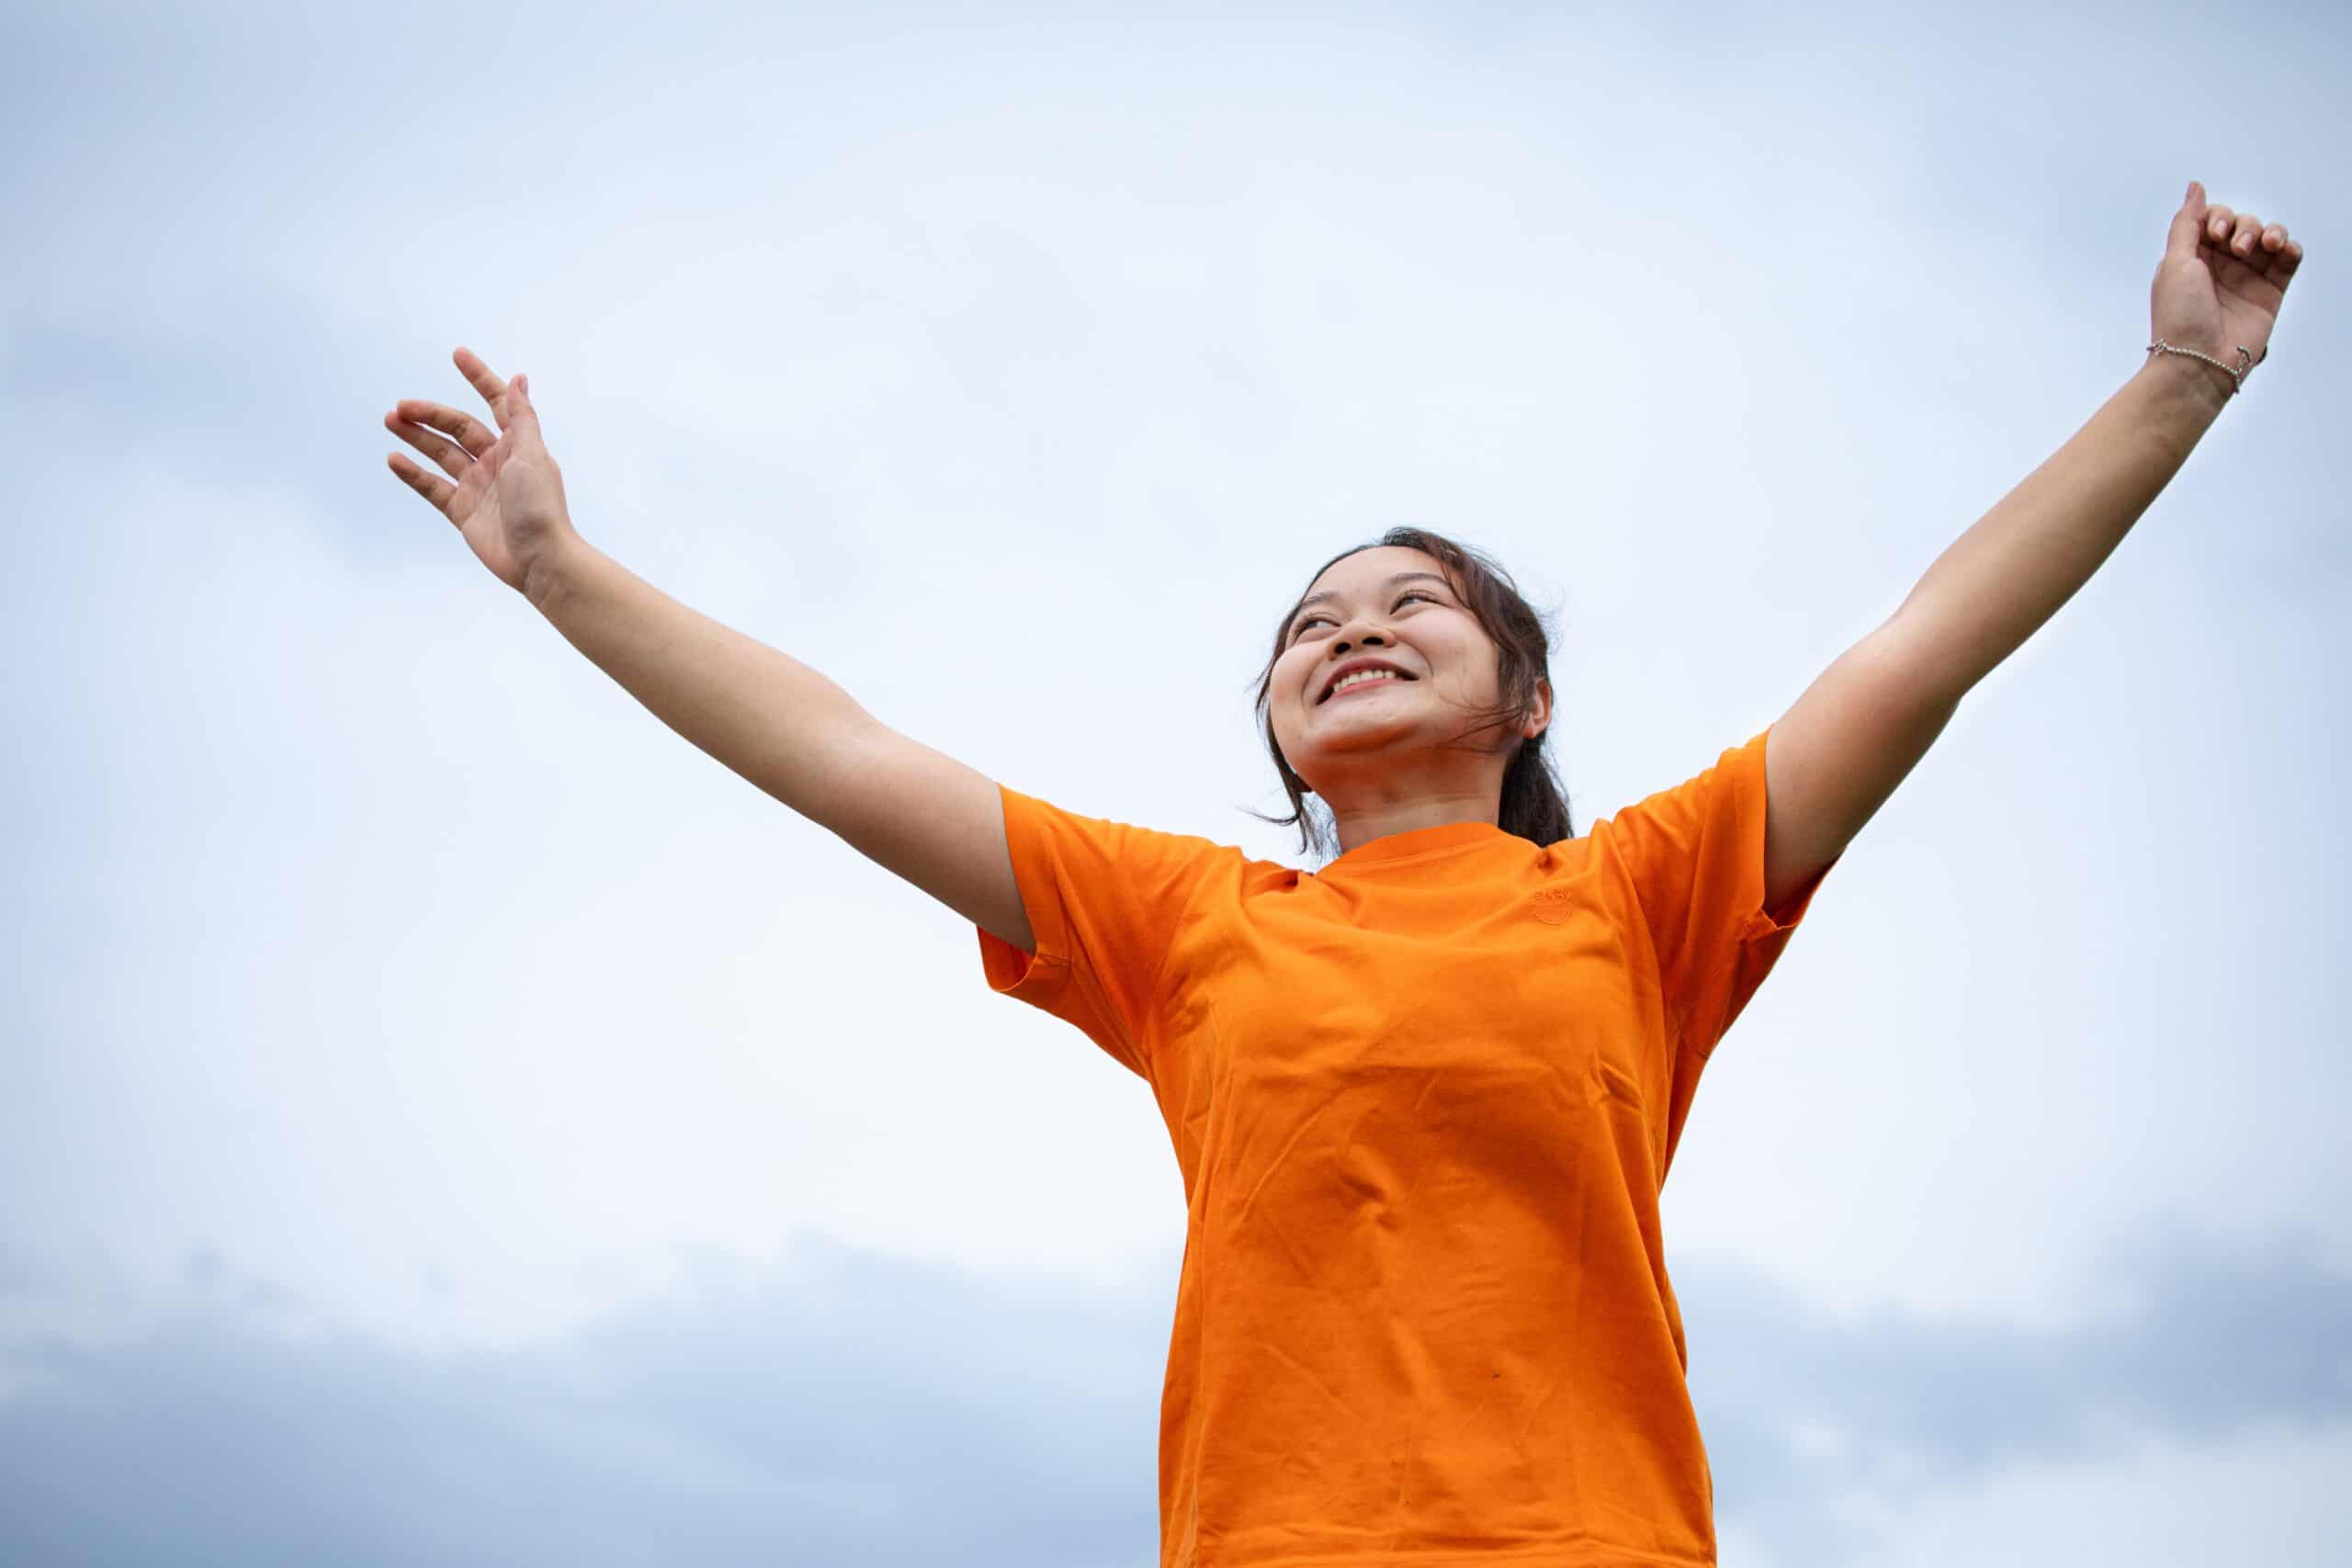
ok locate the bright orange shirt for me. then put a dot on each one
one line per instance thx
(1423, 1101)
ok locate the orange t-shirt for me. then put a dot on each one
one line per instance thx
(1423, 1101)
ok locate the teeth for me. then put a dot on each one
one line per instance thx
(1361, 676)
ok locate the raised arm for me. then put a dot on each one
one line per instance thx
(793, 733)
(785, 727)
(1836, 756)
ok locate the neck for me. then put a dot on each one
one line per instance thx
(1361, 823)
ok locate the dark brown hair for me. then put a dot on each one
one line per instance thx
(1534, 805)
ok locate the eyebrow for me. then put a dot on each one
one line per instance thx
(1291, 625)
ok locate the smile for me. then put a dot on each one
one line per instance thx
(1366, 683)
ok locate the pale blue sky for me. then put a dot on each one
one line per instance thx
(431, 1087)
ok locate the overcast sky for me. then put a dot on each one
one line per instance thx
(445, 1116)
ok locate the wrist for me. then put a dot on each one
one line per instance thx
(548, 570)
(2209, 384)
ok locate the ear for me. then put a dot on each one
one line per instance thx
(1541, 720)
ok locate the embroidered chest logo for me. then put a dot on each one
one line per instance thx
(1551, 906)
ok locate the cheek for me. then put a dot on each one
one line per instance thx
(1290, 672)
(1466, 664)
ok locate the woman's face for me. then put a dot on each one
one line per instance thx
(1395, 605)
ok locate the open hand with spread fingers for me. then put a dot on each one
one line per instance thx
(2220, 285)
(508, 498)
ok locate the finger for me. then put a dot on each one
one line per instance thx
(2217, 224)
(453, 458)
(2279, 266)
(480, 376)
(518, 420)
(472, 435)
(2271, 249)
(519, 416)
(2274, 250)
(2180, 238)
(437, 491)
(2246, 234)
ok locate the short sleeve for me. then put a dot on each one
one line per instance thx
(1104, 902)
(1695, 855)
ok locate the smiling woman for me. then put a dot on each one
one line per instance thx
(1423, 1098)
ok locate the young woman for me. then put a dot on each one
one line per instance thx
(1424, 1097)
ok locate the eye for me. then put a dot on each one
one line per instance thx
(1301, 625)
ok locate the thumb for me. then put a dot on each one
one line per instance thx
(519, 411)
(2180, 240)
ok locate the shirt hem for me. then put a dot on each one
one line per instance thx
(1583, 1556)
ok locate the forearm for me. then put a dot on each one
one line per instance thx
(781, 725)
(2010, 573)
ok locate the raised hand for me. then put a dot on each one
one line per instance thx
(508, 499)
(2222, 280)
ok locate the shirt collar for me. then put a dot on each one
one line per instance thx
(1416, 842)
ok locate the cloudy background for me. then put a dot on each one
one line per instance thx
(444, 1116)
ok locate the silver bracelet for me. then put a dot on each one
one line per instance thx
(2245, 361)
